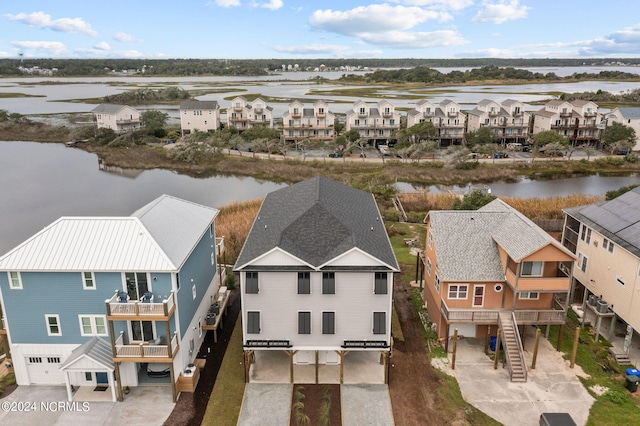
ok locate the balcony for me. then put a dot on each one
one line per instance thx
(138, 310)
(490, 316)
(145, 351)
(387, 113)
(565, 114)
(219, 246)
(127, 120)
(589, 114)
(517, 113)
(558, 283)
(452, 113)
(296, 114)
(493, 113)
(257, 110)
(428, 114)
(3, 327)
(321, 114)
(363, 113)
(238, 108)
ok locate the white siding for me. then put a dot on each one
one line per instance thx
(354, 258)
(21, 351)
(278, 258)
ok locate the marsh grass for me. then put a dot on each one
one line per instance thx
(234, 223)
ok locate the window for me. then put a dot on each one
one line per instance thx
(379, 322)
(53, 360)
(142, 331)
(88, 282)
(93, 325)
(253, 322)
(193, 291)
(585, 235)
(328, 283)
(528, 295)
(429, 267)
(304, 283)
(304, 322)
(608, 245)
(582, 262)
(53, 324)
(15, 280)
(380, 283)
(137, 284)
(328, 323)
(532, 269)
(458, 291)
(436, 283)
(88, 376)
(251, 283)
(430, 239)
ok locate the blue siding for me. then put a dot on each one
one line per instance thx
(199, 269)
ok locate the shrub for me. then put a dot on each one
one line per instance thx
(391, 215)
(609, 161)
(416, 217)
(467, 165)
(9, 379)
(231, 281)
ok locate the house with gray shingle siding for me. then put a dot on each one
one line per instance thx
(316, 279)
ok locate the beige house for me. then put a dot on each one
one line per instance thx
(375, 124)
(199, 115)
(493, 269)
(447, 118)
(315, 123)
(119, 118)
(508, 121)
(606, 239)
(629, 117)
(243, 115)
(578, 121)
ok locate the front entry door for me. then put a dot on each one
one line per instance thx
(102, 379)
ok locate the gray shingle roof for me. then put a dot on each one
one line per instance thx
(630, 112)
(316, 221)
(108, 108)
(195, 104)
(617, 219)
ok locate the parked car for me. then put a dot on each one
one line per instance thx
(556, 419)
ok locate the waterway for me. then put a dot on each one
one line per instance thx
(41, 182)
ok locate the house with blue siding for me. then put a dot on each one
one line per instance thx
(138, 286)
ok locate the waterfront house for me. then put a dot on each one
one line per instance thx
(108, 301)
(203, 116)
(300, 123)
(316, 279)
(630, 117)
(578, 121)
(375, 124)
(243, 115)
(491, 269)
(606, 238)
(508, 121)
(119, 118)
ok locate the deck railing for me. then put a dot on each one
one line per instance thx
(145, 349)
(490, 316)
(138, 308)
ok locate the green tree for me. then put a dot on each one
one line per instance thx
(260, 132)
(473, 200)
(338, 126)
(482, 136)
(615, 193)
(352, 135)
(546, 137)
(154, 122)
(618, 132)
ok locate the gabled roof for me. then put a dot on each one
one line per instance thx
(196, 104)
(316, 221)
(629, 112)
(467, 241)
(109, 108)
(617, 219)
(95, 349)
(158, 237)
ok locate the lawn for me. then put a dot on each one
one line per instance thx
(226, 398)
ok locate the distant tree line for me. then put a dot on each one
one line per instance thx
(148, 96)
(628, 97)
(255, 67)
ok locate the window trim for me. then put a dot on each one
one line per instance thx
(93, 325)
(458, 292)
(301, 315)
(384, 323)
(304, 283)
(528, 295)
(84, 281)
(247, 288)
(522, 274)
(436, 283)
(49, 325)
(328, 283)
(333, 322)
(378, 281)
(608, 245)
(19, 278)
(252, 331)
(583, 262)
(428, 266)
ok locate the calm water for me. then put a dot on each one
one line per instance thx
(41, 182)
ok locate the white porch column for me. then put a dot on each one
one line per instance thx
(112, 385)
(68, 383)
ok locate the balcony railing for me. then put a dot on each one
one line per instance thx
(219, 245)
(138, 310)
(145, 349)
(127, 120)
(3, 327)
(428, 114)
(490, 316)
(485, 316)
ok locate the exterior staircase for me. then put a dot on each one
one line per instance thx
(512, 346)
(620, 357)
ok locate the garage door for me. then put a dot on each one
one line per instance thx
(466, 330)
(44, 370)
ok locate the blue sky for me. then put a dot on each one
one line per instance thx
(313, 29)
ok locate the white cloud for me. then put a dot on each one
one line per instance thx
(414, 40)
(54, 48)
(330, 49)
(5, 55)
(626, 41)
(227, 3)
(125, 38)
(270, 4)
(103, 45)
(43, 20)
(501, 12)
(372, 18)
(437, 4)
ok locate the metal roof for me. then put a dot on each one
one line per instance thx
(96, 349)
(629, 112)
(157, 237)
(109, 108)
(316, 221)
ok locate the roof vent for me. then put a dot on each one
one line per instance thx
(372, 228)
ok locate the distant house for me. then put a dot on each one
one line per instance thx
(243, 115)
(629, 117)
(157, 272)
(508, 121)
(578, 121)
(199, 115)
(316, 277)
(375, 124)
(491, 269)
(447, 118)
(299, 123)
(606, 238)
(119, 118)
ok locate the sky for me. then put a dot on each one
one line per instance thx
(246, 29)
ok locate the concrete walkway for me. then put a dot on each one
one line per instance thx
(551, 387)
(145, 405)
(266, 404)
(366, 405)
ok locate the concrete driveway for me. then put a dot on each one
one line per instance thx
(144, 405)
(551, 387)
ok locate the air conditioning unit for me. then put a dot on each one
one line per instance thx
(602, 306)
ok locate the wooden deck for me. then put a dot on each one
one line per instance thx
(224, 300)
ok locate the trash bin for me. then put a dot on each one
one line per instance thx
(492, 344)
(631, 383)
(632, 372)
